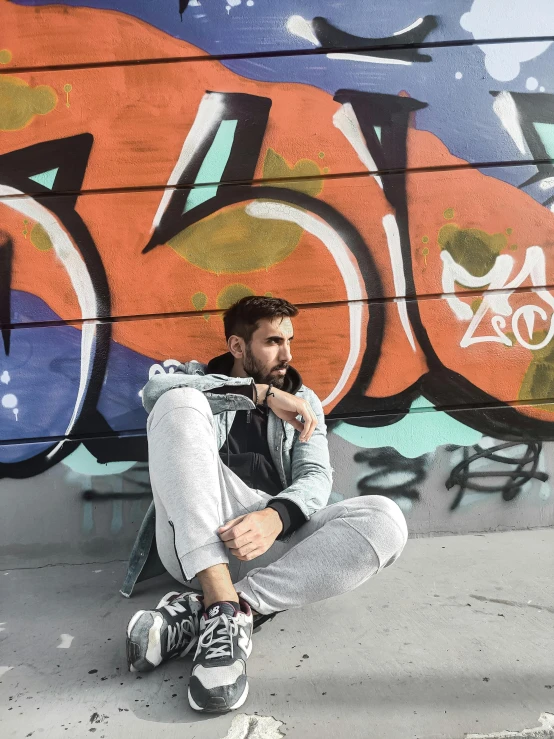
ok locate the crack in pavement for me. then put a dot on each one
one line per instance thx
(515, 603)
(63, 564)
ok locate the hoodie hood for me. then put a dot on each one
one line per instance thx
(223, 365)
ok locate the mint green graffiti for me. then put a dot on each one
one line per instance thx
(421, 431)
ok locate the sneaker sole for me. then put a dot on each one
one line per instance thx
(218, 708)
(143, 643)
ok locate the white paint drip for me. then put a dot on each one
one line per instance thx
(5, 378)
(254, 727)
(415, 24)
(397, 263)
(341, 56)
(65, 641)
(97, 571)
(3, 623)
(207, 120)
(347, 123)
(3, 670)
(544, 731)
(506, 109)
(80, 280)
(355, 290)
(299, 26)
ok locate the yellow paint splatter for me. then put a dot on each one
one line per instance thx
(425, 252)
(321, 154)
(20, 102)
(199, 300)
(231, 242)
(67, 89)
(39, 238)
(5, 56)
(473, 249)
(276, 167)
(231, 294)
(449, 213)
(509, 231)
(425, 239)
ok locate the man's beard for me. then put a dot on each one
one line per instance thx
(259, 373)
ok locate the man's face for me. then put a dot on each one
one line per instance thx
(268, 354)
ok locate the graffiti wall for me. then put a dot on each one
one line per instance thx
(387, 166)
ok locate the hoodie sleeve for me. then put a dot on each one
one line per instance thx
(223, 393)
(311, 472)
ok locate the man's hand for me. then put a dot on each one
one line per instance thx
(249, 536)
(288, 407)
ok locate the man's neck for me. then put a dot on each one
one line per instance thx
(238, 370)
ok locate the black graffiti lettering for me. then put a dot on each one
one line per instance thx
(532, 108)
(391, 474)
(251, 113)
(518, 471)
(331, 37)
(6, 260)
(183, 5)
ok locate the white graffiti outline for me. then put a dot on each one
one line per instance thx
(497, 302)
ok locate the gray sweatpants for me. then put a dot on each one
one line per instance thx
(339, 548)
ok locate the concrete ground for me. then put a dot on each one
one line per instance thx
(456, 638)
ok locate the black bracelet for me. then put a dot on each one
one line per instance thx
(268, 394)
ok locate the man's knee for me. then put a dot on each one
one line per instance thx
(184, 399)
(383, 524)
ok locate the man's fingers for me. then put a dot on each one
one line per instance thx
(238, 541)
(231, 523)
(239, 529)
(245, 550)
(310, 423)
(251, 555)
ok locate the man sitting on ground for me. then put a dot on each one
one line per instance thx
(241, 487)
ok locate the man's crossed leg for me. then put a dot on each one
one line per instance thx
(195, 494)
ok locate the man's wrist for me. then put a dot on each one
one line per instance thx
(261, 391)
(278, 520)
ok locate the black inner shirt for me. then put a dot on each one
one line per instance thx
(246, 451)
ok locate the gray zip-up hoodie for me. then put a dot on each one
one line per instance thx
(304, 468)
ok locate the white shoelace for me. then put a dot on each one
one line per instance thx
(217, 637)
(177, 635)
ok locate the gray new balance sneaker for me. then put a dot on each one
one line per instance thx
(218, 681)
(170, 630)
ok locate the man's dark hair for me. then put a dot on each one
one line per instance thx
(242, 318)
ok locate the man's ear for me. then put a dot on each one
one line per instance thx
(236, 346)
